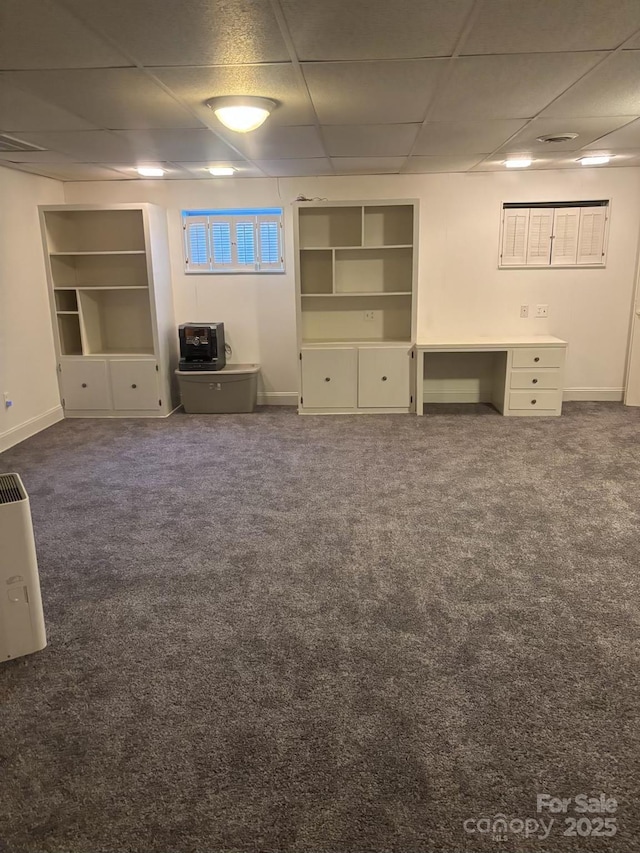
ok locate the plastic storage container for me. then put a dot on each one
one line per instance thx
(217, 392)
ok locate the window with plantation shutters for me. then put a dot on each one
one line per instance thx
(233, 241)
(554, 234)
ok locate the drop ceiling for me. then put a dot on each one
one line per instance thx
(362, 86)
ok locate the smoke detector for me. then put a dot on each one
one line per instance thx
(557, 137)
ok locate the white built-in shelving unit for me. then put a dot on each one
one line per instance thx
(111, 305)
(355, 284)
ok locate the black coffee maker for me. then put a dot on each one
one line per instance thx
(202, 346)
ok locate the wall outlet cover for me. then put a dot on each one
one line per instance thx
(542, 311)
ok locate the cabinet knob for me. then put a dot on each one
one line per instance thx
(384, 378)
(327, 379)
(535, 381)
(135, 386)
(533, 402)
(84, 384)
(537, 358)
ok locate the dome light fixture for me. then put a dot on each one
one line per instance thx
(241, 114)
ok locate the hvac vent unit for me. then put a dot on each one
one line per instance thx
(22, 628)
(11, 145)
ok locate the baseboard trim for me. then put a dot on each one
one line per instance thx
(31, 427)
(277, 398)
(593, 395)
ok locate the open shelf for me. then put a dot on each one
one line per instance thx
(383, 318)
(116, 321)
(326, 227)
(80, 231)
(373, 270)
(69, 333)
(66, 300)
(100, 270)
(362, 293)
(388, 225)
(316, 271)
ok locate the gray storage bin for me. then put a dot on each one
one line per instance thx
(213, 392)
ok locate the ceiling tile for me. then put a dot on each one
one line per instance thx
(465, 137)
(119, 98)
(20, 110)
(371, 140)
(90, 146)
(372, 92)
(515, 86)
(441, 164)
(295, 168)
(587, 129)
(41, 34)
(201, 170)
(195, 85)
(367, 165)
(611, 90)
(547, 25)
(34, 157)
(74, 172)
(173, 144)
(199, 32)
(276, 143)
(362, 29)
(625, 137)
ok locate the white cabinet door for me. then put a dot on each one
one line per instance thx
(134, 383)
(383, 378)
(329, 378)
(84, 385)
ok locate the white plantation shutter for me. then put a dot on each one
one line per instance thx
(539, 242)
(515, 231)
(591, 235)
(245, 243)
(270, 242)
(196, 239)
(232, 241)
(566, 222)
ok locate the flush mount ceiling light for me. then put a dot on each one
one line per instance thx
(598, 160)
(241, 114)
(150, 171)
(557, 137)
(518, 163)
(220, 171)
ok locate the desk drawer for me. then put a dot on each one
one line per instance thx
(538, 357)
(535, 379)
(535, 400)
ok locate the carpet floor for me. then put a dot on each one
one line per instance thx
(338, 634)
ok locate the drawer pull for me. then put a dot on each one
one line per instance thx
(134, 385)
(84, 384)
(537, 358)
(384, 378)
(327, 379)
(533, 402)
(535, 381)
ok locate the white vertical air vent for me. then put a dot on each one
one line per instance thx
(22, 629)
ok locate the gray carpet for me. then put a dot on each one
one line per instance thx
(280, 633)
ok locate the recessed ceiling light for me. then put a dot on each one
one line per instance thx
(518, 163)
(241, 114)
(220, 171)
(557, 137)
(598, 160)
(150, 172)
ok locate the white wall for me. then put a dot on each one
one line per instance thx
(27, 357)
(460, 289)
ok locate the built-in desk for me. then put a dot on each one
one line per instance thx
(527, 377)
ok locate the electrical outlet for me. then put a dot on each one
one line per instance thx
(524, 311)
(8, 402)
(542, 311)
(369, 315)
